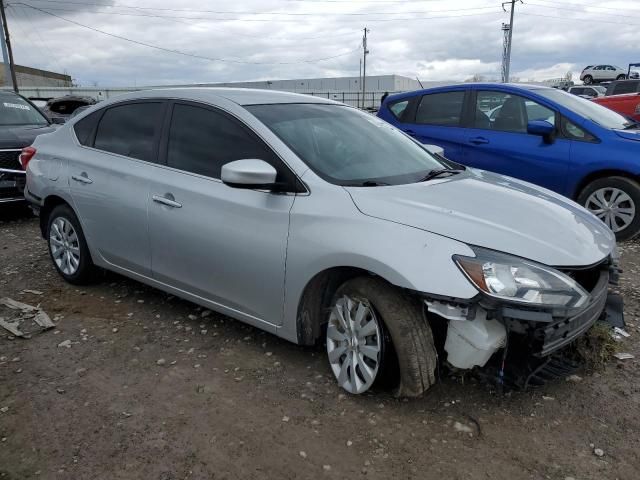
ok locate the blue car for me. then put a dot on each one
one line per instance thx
(542, 135)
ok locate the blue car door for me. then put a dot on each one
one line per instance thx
(497, 140)
(435, 118)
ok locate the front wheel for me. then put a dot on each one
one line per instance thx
(376, 335)
(615, 201)
(587, 80)
(621, 77)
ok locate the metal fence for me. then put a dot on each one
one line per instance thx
(355, 99)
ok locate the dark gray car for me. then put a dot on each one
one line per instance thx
(20, 123)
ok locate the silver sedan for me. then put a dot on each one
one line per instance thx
(320, 224)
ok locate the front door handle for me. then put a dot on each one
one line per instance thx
(169, 202)
(478, 140)
(82, 178)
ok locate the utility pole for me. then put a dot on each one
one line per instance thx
(364, 65)
(360, 80)
(504, 69)
(507, 59)
(7, 41)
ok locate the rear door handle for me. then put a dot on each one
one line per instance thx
(82, 178)
(478, 140)
(169, 202)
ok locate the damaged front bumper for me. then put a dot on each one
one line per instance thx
(477, 329)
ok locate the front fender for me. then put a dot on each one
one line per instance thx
(333, 233)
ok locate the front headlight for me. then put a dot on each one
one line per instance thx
(518, 280)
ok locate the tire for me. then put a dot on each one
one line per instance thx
(610, 195)
(621, 77)
(68, 248)
(406, 358)
(587, 80)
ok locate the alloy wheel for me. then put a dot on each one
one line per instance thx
(613, 206)
(354, 344)
(64, 245)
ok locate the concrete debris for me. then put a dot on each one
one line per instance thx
(598, 452)
(6, 409)
(302, 454)
(34, 292)
(161, 361)
(24, 320)
(574, 378)
(461, 427)
(623, 355)
(65, 344)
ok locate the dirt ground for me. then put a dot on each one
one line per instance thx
(233, 402)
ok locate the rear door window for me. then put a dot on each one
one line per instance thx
(441, 109)
(130, 130)
(625, 87)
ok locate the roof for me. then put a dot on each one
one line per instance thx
(241, 96)
(489, 86)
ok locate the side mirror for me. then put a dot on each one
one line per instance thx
(541, 128)
(251, 173)
(57, 120)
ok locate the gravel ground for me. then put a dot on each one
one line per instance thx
(152, 387)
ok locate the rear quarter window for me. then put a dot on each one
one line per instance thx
(85, 128)
(398, 108)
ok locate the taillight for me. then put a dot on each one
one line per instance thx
(638, 109)
(26, 156)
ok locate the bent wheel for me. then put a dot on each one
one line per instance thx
(378, 336)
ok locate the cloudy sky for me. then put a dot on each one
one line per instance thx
(225, 40)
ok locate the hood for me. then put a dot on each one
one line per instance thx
(629, 134)
(495, 212)
(22, 135)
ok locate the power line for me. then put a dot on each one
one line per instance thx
(193, 55)
(571, 19)
(582, 11)
(589, 5)
(43, 45)
(235, 12)
(265, 20)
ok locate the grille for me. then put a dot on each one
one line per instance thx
(587, 277)
(9, 159)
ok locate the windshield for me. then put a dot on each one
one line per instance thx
(586, 108)
(599, 88)
(347, 147)
(15, 110)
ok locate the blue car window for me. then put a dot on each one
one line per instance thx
(398, 108)
(508, 113)
(440, 109)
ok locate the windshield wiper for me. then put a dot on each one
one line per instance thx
(372, 183)
(436, 173)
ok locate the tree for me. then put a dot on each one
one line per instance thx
(476, 78)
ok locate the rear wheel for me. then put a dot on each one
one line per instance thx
(68, 247)
(615, 201)
(621, 77)
(376, 335)
(587, 80)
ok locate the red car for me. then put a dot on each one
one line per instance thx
(627, 104)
